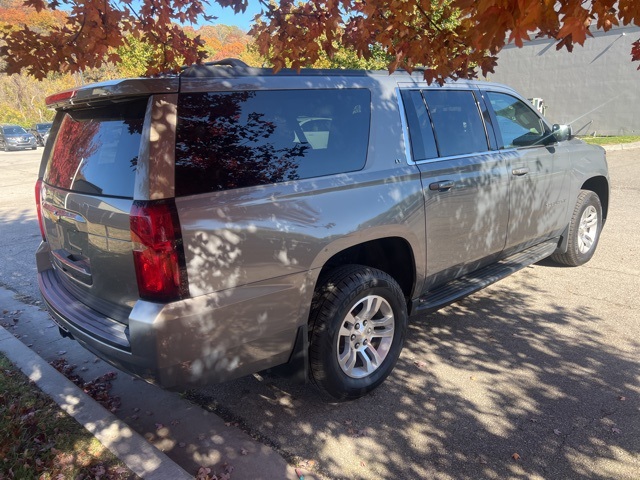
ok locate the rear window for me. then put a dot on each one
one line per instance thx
(229, 140)
(96, 150)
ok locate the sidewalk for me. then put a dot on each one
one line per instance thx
(156, 433)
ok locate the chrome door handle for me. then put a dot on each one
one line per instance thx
(441, 186)
(518, 172)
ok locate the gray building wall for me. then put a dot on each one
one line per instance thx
(595, 88)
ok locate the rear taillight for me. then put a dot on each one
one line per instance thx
(39, 206)
(157, 251)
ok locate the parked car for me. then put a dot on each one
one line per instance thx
(193, 232)
(15, 137)
(40, 130)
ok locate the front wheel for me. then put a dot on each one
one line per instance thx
(584, 231)
(357, 327)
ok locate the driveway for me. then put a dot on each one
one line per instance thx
(537, 376)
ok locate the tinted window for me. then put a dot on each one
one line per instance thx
(519, 125)
(457, 123)
(96, 150)
(242, 139)
(423, 144)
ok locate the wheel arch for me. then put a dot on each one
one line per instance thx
(600, 186)
(392, 255)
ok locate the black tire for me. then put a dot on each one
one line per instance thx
(377, 306)
(584, 231)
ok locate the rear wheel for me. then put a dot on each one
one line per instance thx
(357, 328)
(584, 231)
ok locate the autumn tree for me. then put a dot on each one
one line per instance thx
(293, 33)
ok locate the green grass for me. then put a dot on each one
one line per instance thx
(40, 441)
(611, 140)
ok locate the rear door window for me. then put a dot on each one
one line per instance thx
(457, 124)
(96, 150)
(423, 143)
(229, 140)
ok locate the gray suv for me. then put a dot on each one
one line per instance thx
(206, 226)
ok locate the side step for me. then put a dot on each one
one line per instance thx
(474, 281)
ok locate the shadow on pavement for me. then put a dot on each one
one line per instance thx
(494, 386)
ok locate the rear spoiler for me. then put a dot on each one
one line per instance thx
(112, 91)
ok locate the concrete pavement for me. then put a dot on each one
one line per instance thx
(158, 434)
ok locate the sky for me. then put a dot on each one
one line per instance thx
(227, 17)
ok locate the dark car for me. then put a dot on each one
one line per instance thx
(15, 137)
(41, 130)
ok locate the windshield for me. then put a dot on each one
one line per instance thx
(43, 127)
(14, 130)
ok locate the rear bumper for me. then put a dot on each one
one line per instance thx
(202, 340)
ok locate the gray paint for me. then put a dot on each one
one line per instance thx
(595, 88)
(253, 255)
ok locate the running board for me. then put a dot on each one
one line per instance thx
(474, 281)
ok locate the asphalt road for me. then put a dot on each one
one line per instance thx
(537, 376)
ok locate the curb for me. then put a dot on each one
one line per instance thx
(131, 448)
(621, 146)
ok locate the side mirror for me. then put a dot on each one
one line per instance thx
(562, 132)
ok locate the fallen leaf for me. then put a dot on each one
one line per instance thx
(244, 452)
(622, 398)
(203, 473)
(420, 364)
(557, 432)
(616, 430)
(516, 456)
(62, 352)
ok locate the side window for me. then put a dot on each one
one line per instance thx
(519, 125)
(423, 143)
(458, 126)
(228, 140)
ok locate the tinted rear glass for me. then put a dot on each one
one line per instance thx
(242, 139)
(96, 150)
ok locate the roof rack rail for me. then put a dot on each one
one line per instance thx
(208, 69)
(228, 62)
